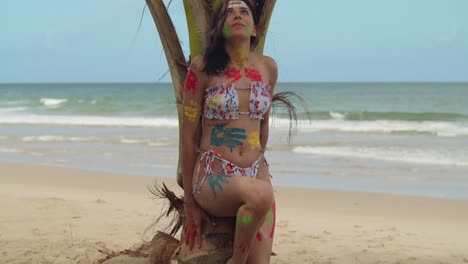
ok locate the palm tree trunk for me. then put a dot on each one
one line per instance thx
(175, 60)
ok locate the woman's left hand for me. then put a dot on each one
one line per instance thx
(194, 215)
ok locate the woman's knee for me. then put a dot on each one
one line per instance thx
(259, 198)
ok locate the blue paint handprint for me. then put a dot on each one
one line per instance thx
(220, 135)
(216, 180)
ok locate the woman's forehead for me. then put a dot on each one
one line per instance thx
(238, 4)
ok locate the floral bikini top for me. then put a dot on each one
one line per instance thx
(222, 101)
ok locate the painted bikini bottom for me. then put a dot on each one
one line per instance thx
(207, 158)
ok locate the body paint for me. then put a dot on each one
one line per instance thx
(191, 81)
(253, 74)
(244, 219)
(244, 246)
(272, 217)
(192, 111)
(254, 140)
(241, 58)
(220, 135)
(259, 237)
(234, 74)
(216, 180)
(249, 30)
(243, 224)
(227, 31)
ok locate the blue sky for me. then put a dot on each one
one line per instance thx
(312, 41)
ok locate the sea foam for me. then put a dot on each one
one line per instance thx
(53, 102)
(396, 154)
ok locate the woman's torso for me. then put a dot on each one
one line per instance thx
(237, 137)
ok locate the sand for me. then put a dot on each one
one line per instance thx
(57, 215)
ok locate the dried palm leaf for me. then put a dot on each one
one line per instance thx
(174, 210)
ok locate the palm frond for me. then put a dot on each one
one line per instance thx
(198, 17)
(285, 100)
(174, 210)
(265, 11)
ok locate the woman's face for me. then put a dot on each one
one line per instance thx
(239, 21)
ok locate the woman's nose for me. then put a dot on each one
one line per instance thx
(237, 16)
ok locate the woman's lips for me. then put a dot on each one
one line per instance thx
(238, 25)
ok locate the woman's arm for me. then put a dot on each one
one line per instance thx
(191, 107)
(273, 76)
(194, 87)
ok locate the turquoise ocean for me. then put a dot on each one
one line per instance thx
(396, 138)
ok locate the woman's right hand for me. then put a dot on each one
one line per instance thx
(194, 215)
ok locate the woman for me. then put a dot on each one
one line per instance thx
(230, 88)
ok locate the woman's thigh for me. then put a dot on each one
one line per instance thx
(221, 195)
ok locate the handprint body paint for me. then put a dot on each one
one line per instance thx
(229, 137)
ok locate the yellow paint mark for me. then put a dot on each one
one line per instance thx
(192, 111)
(254, 140)
(241, 58)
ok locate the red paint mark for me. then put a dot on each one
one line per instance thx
(191, 81)
(253, 74)
(273, 207)
(259, 236)
(244, 246)
(233, 74)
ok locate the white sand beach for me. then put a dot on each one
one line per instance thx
(57, 215)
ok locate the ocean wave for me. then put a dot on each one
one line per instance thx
(15, 103)
(355, 115)
(58, 138)
(53, 103)
(336, 115)
(148, 142)
(89, 121)
(10, 150)
(444, 129)
(420, 156)
(12, 110)
(129, 141)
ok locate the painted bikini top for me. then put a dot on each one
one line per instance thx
(222, 101)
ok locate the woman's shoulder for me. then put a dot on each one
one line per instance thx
(269, 63)
(197, 63)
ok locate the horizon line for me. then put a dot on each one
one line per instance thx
(282, 82)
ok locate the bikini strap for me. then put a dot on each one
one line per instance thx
(208, 156)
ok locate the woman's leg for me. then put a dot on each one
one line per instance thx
(246, 198)
(262, 245)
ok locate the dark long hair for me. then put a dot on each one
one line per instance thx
(216, 57)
